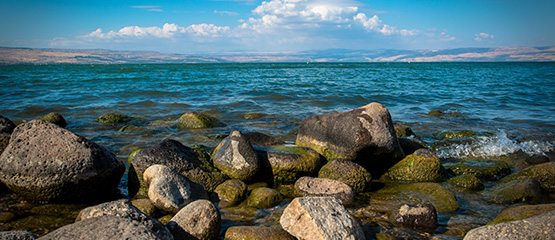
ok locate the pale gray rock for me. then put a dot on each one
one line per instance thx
(17, 235)
(198, 220)
(538, 227)
(323, 187)
(237, 158)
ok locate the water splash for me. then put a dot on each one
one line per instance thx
(494, 146)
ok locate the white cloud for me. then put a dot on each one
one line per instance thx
(374, 24)
(167, 31)
(445, 37)
(228, 13)
(483, 36)
(204, 29)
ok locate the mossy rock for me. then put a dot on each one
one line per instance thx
(132, 155)
(469, 182)
(113, 118)
(129, 128)
(444, 115)
(421, 166)
(55, 118)
(195, 120)
(231, 192)
(402, 130)
(442, 135)
(347, 172)
(209, 180)
(256, 233)
(397, 194)
(264, 198)
(480, 169)
(250, 116)
(290, 162)
(165, 219)
(543, 173)
(522, 212)
(40, 224)
(526, 190)
(146, 206)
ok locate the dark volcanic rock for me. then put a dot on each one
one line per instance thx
(237, 158)
(6, 125)
(364, 134)
(46, 163)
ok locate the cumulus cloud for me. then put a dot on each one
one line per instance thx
(228, 13)
(150, 8)
(166, 31)
(374, 24)
(482, 37)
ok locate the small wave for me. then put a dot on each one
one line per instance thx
(494, 146)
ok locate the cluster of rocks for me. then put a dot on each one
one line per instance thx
(333, 162)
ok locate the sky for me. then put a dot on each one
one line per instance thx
(219, 26)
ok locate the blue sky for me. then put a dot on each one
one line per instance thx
(192, 26)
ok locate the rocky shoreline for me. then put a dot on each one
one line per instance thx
(351, 175)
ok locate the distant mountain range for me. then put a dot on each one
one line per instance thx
(99, 56)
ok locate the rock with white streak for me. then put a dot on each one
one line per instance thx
(237, 158)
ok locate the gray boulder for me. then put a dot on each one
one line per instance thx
(323, 187)
(237, 158)
(169, 190)
(104, 227)
(364, 134)
(422, 216)
(198, 220)
(320, 218)
(46, 163)
(123, 208)
(17, 235)
(538, 227)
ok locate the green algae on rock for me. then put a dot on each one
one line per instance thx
(113, 118)
(347, 172)
(480, 169)
(522, 212)
(55, 118)
(231, 192)
(396, 194)
(264, 198)
(466, 181)
(290, 162)
(256, 233)
(544, 173)
(525, 190)
(421, 166)
(195, 120)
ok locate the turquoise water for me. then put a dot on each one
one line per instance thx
(510, 106)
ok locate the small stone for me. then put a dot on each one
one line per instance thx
(198, 220)
(264, 198)
(544, 173)
(17, 235)
(480, 169)
(422, 216)
(469, 182)
(55, 118)
(516, 191)
(231, 192)
(6, 125)
(289, 162)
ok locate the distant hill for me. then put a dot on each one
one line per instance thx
(99, 56)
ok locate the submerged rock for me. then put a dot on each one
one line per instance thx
(516, 191)
(195, 120)
(480, 169)
(364, 134)
(55, 118)
(323, 187)
(236, 158)
(290, 162)
(348, 172)
(198, 220)
(522, 212)
(543, 173)
(113, 118)
(538, 227)
(264, 198)
(421, 166)
(231, 192)
(422, 216)
(320, 218)
(256, 233)
(394, 195)
(46, 163)
(465, 181)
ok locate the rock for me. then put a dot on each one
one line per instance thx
(124, 209)
(544, 173)
(410, 145)
(522, 212)
(348, 172)
(237, 158)
(198, 220)
(319, 218)
(323, 187)
(194, 120)
(256, 233)
(537, 159)
(231, 192)
(4, 141)
(262, 140)
(395, 195)
(290, 162)
(47, 163)
(421, 166)
(55, 118)
(113, 118)
(364, 134)
(169, 190)
(465, 181)
(538, 227)
(398, 234)
(208, 180)
(525, 190)
(402, 130)
(480, 169)
(17, 235)
(422, 216)
(6, 125)
(444, 115)
(146, 206)
(264, 198)
(442, 135)
(104, 227)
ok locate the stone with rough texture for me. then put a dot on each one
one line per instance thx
(525, 190)
(46, 163)
(421, 166)
(348, 172)
(522, 212)
(55, 118)
(395, 195)
(262, 140)
(113, 118)
(365, 135)
(17, 235)
(480, 169)
(467, 181)
(538, 227)
(104, 227)
(169, 190)
(231, 192)
(543, 173)
(146, 206)
(198, 220)
(195, 120)
(124, 209)
(323, 187)
(289, 162)
(256, 233)
(320, 218)
(6, 125)
(237, 158)
(421, 216)
(264, 197)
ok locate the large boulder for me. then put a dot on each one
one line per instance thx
(256, 233)
(323, 187)
(320, 218)
(236, 158)
(364, 134)
(421, 166)
(543, 173)
(348, 172)
(198, 220)
(46, 163)
(169, 190)
(124, 209)
(104, 227)
(538, 227)
(195, 120)
(290, 162)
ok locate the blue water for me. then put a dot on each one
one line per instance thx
(510, 105)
